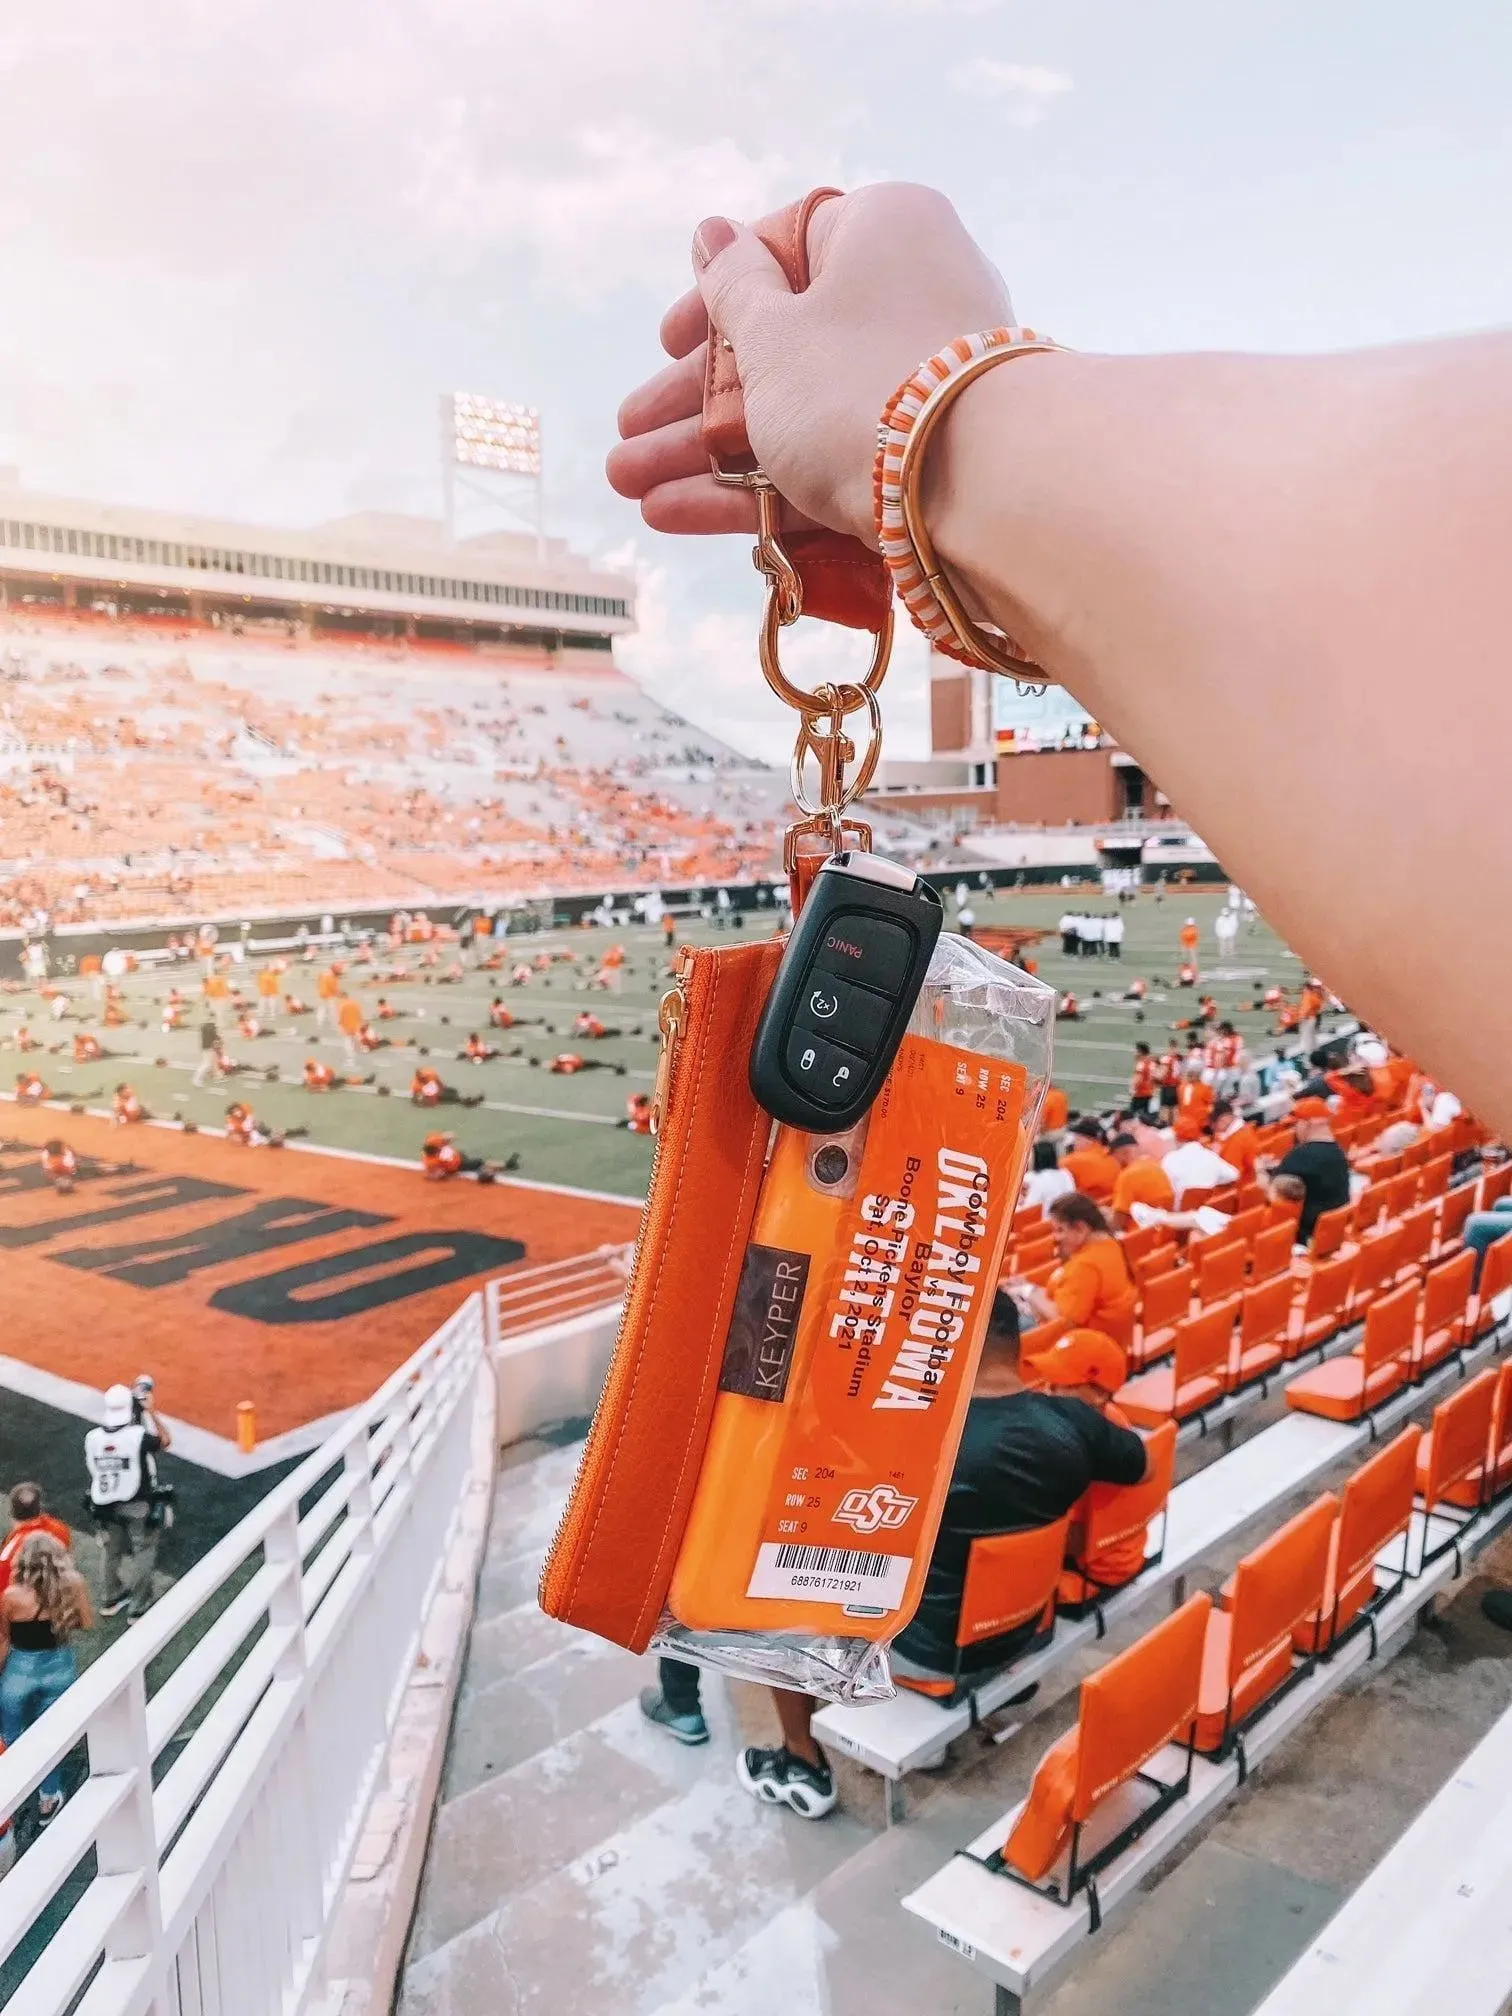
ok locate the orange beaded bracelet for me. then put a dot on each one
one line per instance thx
(903, 434)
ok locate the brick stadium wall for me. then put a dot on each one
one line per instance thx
(1057, 787)
(949, 712)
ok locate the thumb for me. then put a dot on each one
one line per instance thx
(737, 276)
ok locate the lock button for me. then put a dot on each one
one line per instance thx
(825, 1071)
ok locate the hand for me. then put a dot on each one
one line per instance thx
(895, 276)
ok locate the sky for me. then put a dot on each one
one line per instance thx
(243, 247)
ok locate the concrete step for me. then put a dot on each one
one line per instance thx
(512, 1830)
(804, 1961)
(642, 1915)
(501, 1725)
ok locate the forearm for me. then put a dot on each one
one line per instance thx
(1277, 582)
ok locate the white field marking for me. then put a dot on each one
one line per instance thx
(208, 1451)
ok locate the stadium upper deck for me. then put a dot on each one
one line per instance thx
(376, 572)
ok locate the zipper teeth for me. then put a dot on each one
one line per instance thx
(684, 971)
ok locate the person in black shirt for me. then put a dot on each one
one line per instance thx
(1318, 1162)
(1026, 1457)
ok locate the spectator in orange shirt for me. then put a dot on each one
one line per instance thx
(269, 987)
(1088, 1163)
(28, 1516)
(318, 1076)
(1093, 1286)
(1194, 1109)
(60, 1166)
(30, 1089)
(1234, 1138)
(638, 1110)
(1141, 1180)
(499, 1015)
(1190, 937)
(476, 1051)
(1055, 1110)
(86, 1048)
(1309, 1013)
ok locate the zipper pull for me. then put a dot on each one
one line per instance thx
(670, 1017)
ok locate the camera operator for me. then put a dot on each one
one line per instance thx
(128, 1504)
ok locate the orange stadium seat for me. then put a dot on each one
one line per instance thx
(1011, 1580)
(1247, 1655)
(1376, 1512)
(1346, 1388)
(1163, 1303)
(1141, 1702)
(1324, 1306)
(1111, 1518)
(1198, 1376)
(1445, 1308)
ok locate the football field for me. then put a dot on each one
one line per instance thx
(566, 1129)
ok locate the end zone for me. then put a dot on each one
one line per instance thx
(298, 1283)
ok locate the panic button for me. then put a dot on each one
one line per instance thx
(866, 949)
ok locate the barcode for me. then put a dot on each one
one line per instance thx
(835, 1560)
(859, 1582)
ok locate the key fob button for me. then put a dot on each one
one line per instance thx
(825, 1072)
(867, 949)
(850, 1015)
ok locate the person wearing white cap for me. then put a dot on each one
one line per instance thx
(125, 1497)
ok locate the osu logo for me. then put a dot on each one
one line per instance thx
(870, 1511)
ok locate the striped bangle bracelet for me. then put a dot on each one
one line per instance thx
(903, 433)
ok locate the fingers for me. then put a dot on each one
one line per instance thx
(685, 324)
(698, 504)
(739, 280)
(664, 455)
(674, 394)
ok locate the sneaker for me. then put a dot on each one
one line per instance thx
(114, 1609)
(785, 1780)
(688, 1729)
(48, 1809)
(1496, 1608)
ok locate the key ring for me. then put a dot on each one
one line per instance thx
(784, 597)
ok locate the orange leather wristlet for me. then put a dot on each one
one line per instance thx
(842, 581)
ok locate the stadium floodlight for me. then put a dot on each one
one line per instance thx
(491, 448)
(495, 434)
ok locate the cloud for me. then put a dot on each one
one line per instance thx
(616, 209)
(1029, 88)
(700, 661)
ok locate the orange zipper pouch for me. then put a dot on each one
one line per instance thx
(610, 1566)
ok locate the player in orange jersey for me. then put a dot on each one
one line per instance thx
(127, 1109)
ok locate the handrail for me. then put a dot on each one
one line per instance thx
(216, 1881)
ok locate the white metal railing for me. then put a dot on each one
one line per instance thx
(531, 1297)
(208, 1847)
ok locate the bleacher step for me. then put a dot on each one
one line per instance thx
(641, 1916)
(500, 1726)
(515, 1828)
(803, 1962)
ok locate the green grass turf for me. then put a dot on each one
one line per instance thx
(563, 1127)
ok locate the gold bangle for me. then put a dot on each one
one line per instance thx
(982, 646)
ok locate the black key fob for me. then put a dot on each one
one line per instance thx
(846, 987)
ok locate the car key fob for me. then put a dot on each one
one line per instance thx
(847, 985)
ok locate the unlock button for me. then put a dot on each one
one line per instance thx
(828, 1074)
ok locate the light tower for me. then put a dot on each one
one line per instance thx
(491, 451)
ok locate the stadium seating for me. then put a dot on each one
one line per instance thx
(182, 771)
